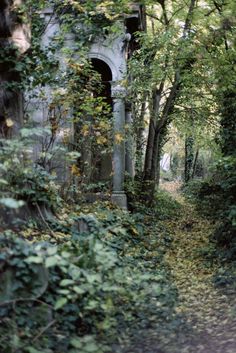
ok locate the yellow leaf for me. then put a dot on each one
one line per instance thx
(85, 130)
(103, 124)
(9, 122)
(101, 140)
(99, 109)
(75, 170)
(134, 230)
(118, 138)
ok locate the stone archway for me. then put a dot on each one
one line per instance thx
(106, 76)
(116, 97)
(103, 168)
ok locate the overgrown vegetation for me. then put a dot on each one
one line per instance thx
(215, 198)
(78, 277)
(87, 290)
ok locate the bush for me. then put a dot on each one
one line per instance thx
(94, 287)
(21, 179)
(216, 198)
(166, 206)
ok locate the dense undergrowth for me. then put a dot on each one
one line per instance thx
(215, 198)
(86, 283)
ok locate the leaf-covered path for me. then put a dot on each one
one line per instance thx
(211, 313)
(207, 315)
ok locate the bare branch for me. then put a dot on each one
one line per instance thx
(14, 301)
(154, 17)
(43, 330)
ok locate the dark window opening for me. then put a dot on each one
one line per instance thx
(106, 76)
(132, 26)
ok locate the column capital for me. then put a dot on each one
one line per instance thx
(118, 91)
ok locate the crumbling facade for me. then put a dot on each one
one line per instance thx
(109, 58)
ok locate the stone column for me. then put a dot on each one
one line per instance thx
(118, 195)
(129, 155)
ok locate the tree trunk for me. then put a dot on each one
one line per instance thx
(160, 113)
(139, 141)
(195, 164)
(189, 158)
(152, 134)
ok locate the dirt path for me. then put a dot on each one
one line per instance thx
(205, 316)
(211, 314)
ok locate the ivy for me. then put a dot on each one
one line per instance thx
(82, 292)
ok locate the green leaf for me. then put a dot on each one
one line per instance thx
(92, 304)
(79, 290)
(38, 131)
(64, 291)
(66, 282)
(60, 303)
(4, 182)
(52, 250)
(76, 343)
(91, 347)
(33, 350)
(34, 260)
(65, 254)
(11, 203)
(91, 278)
(51, 261)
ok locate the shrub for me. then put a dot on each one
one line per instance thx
(21, 179)
(94, 287)
(216, 198)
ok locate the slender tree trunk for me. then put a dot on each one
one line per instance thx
(189, 158)
(152, 136)
(139, 141)
(156, 161)
(149, 150)
(158, 132)
(195, 164)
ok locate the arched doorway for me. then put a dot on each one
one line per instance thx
(103, 168)
(111, 166)
(97, 155)
(106, 76)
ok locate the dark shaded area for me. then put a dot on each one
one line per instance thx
(228, 123)
(10, 97)
(106, 75)
(132, 26)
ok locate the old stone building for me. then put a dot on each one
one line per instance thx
(109, 58)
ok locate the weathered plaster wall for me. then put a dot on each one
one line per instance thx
(43, 115)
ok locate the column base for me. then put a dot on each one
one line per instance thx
(119, 198)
